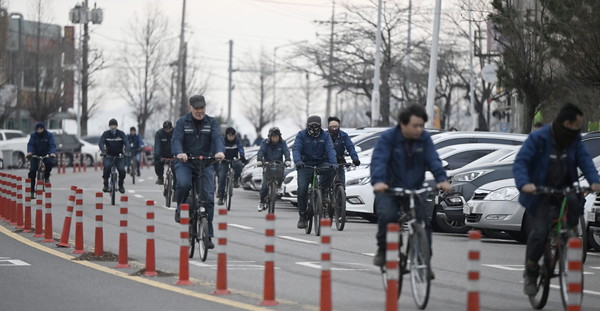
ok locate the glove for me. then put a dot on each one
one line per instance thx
(356, 162)
(288, 163)
(299, 164)
(243, 159)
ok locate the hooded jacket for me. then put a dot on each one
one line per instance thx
(314, 150)
(41, 145)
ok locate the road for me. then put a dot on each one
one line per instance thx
(356, 283)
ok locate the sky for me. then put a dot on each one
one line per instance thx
(253, 25)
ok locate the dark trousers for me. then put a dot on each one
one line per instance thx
(304, 180)
(120, 164)
(185, 172)
(264, 186)
(541, 221)
(137, 161)
(387, 208)
(33, 167)
(223, 169)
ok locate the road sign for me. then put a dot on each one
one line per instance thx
(503, 127)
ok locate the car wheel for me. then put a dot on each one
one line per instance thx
(593, 239)
(18, 160)
(451, 226)
(89, 160)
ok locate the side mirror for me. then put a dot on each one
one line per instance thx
(445, 164)
(358, 149)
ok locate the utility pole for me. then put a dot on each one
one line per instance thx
(330, 75)
(180, 66)
(20, 70)
(408, 50)
(229, 84)
(375, 100)
(433, 64)
(471, 64)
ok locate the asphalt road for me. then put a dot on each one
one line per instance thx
(356, 284)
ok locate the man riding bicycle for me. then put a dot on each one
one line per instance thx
(196, 134)
(400, 158)
(137, 145)
(233, 149)
(113, 143)
(274, 148)
(550, 157)
(341, 144)
(41, 142)
(312, 147)
(162, 150)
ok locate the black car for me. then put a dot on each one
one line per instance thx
(67, 145)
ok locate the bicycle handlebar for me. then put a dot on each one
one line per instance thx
(40, 157)
(563, 191)
(408, 192)
(120, 156)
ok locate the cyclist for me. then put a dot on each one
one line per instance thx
(41, 142)
(233, 149)
(198, 135)
(550, 157)
(400, 158)
(341, 143)
(137, 144)
(113, 143)
(274, 148)
(312, 147)
(162, 149)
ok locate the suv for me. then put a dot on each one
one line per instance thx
(67, 144)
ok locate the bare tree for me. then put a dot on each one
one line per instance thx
(143, 64)
(8, 93)
(257, 75)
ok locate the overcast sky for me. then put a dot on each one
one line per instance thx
(252, 25)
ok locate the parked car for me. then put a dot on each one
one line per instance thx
(445, 139)
(16, 141)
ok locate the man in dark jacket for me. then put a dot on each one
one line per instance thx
(233, 150)
(196, 134)
(550, 157)
(114, 143)
(274, 148)
(137, 145)
(312, 147)
(41, 143)
(162, 150)
(341, 144)
(400, 158)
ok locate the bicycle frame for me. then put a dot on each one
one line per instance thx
(272, 185)
(168, 183)
(198, 225)
(114, 177)
(39, 173)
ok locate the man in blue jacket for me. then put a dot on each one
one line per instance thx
(550, 157)
(274, 148)
(401, 156)
(137, 145)
(41, 143)
(341, 144)
(114, 143)
(312, 147)
(196, 134)
(233, 150)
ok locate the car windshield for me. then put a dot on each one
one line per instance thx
(496, 156)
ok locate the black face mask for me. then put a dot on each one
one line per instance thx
(314, 130)
(564, 137)
(334, 131)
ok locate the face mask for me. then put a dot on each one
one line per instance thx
(334, 131)
(314, 130)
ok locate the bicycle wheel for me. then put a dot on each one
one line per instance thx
(271, 197)
(339, 210)
(402, 264)
(564, 272)
(113, 189)
(318, 212)
(193, 233)
(169, 189)
(203, 238)
(538, 301)
(229, 193)
(582, 234)
(133, 170)
(420, 280)
(309, 211)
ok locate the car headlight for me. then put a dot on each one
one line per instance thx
(469, 176)
(502, 194)
(358, 181)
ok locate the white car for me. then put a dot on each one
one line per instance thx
(15, 143)
(90, 152)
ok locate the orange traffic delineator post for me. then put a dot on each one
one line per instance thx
(64, 237)
(20, 203)
(184, 261)
(2, 204)
(123, 260)
(222, 253)
(13, 201)
(78, 222)
(48, 238)
(391, 266)
(27, 216)
(269, 282)
(39, 203)
(150, 247)
(574, 274)
(326, 304)
(474, 256)
(99, 233)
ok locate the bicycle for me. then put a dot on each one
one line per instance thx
(114, 178)
(414, 250)
(229, 182)
(314, 208)
(39, 172)
(168, 184)
(198, 225)
(337, 195)
(272, 174)
(556, 251)
(133, 169)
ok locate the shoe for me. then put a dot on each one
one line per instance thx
(430, 274)
(220, 201)
(121, 189)
(210, 244)
(530, 279)
(236, 183)
(301, 223)
(261, 206)
(47, 180)
(128, 170)
(105, 186)
(379, 259)
(160, 181)
(138, 174)
(177, 216)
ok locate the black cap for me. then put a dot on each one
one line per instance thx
(167, 125)
(230, 130)
(132, 128)
(313, 119)
(113, 122)
(197, 101)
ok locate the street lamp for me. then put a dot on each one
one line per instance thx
(81, 14)
(275, 70)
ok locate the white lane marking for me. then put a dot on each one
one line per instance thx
(12, 262)
(139, 196)
(507, 267)
(241, 227)
(369, 254)
(231, 265)
(591, 292)
(597, 268)
(291, 238)
(339, 266)
(131, 191)
(593, 254)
